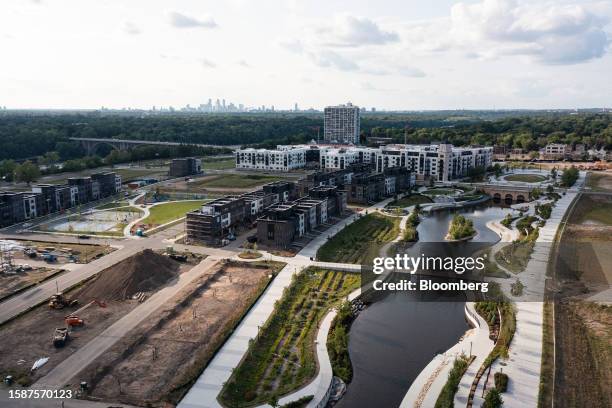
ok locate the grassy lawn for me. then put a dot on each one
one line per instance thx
(515, 256)
(282, 357)
(410, 200)
(114, 204)
(237, 181)
(218, 164)
(525, 178)
(133, 174)
(361, 241)
(440, 191)
(163, 213)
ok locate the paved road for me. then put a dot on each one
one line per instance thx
(69, 368)
(40, 293)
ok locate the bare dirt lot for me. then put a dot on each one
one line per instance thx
(583, 329)
(599, 181)
(29, 337)
(82, 253)
(156, 362)
(583, 358)
(10, 283)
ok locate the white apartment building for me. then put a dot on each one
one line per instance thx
(341, 124)
(443, 162)
(283, 158)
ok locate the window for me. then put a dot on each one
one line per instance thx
(271, 231)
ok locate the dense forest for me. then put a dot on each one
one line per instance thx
(27, 135)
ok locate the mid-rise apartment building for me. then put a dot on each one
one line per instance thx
(341, 124)
(215, 220)
(185, 166)
(283, 158)
(47, 199)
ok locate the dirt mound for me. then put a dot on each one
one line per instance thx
(143, 272)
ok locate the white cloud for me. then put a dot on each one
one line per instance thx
(206, 63)
(410, 71)
(292, 45)
(130, 28)
(244, 64)
(350, 31)
(328, 59)
(180, 20)
(547, 32)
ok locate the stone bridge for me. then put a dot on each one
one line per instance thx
(508, 193)
(90, 143)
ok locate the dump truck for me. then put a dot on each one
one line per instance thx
(60, 337)
(59, 301)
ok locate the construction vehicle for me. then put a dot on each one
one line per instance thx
(73, 319)
(49, 257)
(58, 301)
(60, 337)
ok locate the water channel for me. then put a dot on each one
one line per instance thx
(393, 339)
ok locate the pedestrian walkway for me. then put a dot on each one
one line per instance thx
(203, 394)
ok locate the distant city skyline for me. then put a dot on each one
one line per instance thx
(400, 55)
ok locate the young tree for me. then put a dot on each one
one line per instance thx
(493, 399)
(27, 172)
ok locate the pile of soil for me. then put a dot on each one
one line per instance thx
(143, 272)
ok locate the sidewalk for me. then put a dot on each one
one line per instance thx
(203, 394)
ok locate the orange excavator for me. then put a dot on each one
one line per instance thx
(73, 319)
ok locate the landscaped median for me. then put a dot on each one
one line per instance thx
(282, 357)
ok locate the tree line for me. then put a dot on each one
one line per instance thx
(25, 135)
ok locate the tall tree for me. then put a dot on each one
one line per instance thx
(27, 172)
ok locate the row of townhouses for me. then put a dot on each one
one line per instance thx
(441, 162)
(44, 199)
(285, 211)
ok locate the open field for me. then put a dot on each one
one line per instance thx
(11, 283)
(235, 181)
(81, 253)
(159, 360)
(525, 178)
(107, 222)
(583, 355)
(163, 213)
(594, 210)
(282, 358)
(218, 164)
(361, 241)
(441, 191)
(410, 200)
(599, 181)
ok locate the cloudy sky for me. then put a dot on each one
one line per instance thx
(392, 54)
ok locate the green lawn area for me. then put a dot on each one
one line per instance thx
(282, 357)
(525, 178)
(361, 241)
(602, 214)
(515, 256)
(163, 213)
(218, 164)
(114, 204)
(133, 174)
(441, 191)
(410, 200)
(237, 181)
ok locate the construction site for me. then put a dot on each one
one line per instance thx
(583, 314)
(38, 340)
(26, 263)
(157, 361)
